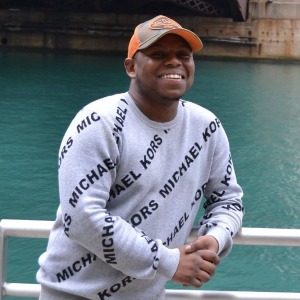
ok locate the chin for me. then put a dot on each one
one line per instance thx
(170, 101)
(174, 97)
(175, 94)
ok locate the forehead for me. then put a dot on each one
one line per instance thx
(172, 40)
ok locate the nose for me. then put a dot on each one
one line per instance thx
(172, 60)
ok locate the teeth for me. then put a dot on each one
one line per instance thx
(171, 76)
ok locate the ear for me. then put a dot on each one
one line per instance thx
(129, 64)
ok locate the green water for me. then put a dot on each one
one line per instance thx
(258, 104)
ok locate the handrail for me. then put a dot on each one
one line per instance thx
(263, 236)
(246, 236)
(33, 290)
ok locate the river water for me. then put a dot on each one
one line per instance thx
(257, 102)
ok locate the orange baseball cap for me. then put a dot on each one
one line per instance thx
(150, 31)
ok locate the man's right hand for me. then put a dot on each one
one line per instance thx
(196, 267)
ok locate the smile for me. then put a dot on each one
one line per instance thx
(171, 76)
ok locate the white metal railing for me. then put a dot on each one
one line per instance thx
(246, 236)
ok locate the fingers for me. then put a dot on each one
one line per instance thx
(199, 277)
(207, 243)
(193, 282)
(204, 270)
(195, 268)
(205, 254)
(188, 248)
(210, 256)
(203, 242)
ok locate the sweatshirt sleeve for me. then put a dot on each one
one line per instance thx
(223, 206)
(89, 159)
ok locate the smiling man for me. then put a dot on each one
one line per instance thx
(132, 179)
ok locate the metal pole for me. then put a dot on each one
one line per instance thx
(2, 260)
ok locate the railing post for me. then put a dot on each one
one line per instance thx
(2, 260)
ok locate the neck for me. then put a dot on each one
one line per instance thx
(163, 110)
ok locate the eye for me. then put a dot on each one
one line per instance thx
(157, 54)
(186, 55)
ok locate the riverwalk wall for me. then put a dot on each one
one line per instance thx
(271, 31)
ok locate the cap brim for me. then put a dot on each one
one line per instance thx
(191, 38)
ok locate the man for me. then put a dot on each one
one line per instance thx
(133, 170)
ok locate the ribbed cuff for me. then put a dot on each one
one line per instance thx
(168, 262)
(222, 235)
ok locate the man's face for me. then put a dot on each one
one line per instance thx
(165, 70)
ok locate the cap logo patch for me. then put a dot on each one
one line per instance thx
(164, 23)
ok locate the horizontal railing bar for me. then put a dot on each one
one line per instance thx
(33, 290)
(246, 236)
(263, 236)
(230, 295)
(268, 237)
(26, 228)
(21, 289)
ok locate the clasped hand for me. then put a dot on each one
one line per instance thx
(197, 262)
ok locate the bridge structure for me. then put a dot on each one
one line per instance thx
(237, 9)
(258, 29)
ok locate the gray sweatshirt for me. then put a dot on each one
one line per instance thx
(130, 189)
